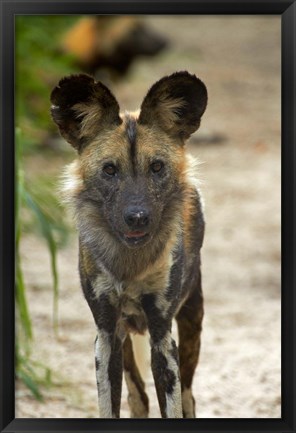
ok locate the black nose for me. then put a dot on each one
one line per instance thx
(136, 217)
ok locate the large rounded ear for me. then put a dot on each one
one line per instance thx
(175, 104)
(81, 108)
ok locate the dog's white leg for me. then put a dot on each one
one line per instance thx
(102, 360)
(165, 367)
(164, 359)
(108, 359)
(103, 302)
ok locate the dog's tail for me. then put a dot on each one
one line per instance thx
(142, 355)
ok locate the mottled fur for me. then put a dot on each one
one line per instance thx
(140, 222)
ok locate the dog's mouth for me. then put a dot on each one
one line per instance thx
(135, 237)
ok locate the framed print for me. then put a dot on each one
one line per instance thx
(238, 60)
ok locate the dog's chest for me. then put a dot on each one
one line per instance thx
(131, 315)
(127, 296)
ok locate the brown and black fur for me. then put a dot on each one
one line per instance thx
(141, 226)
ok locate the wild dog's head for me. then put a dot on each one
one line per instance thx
(130, 170)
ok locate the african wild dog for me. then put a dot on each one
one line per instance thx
(141, 228)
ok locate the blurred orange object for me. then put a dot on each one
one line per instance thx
(111, 42)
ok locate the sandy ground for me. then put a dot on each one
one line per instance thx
(239, 375)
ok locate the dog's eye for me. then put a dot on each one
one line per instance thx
(157, 166)
(110, 169)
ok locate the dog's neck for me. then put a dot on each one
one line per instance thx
(124, 263)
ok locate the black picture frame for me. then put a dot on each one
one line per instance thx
(287, 10)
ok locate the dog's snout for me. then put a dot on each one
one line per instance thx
(136, 217)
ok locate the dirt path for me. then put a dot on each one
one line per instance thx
(239, 147)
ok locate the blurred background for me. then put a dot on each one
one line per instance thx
(239, 148)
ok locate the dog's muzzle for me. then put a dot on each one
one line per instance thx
(137, 220)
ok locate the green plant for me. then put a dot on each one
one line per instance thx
(39, 65)
(54, 234)
(32, 373)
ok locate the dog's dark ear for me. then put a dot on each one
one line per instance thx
(81, 108)
(175, 104)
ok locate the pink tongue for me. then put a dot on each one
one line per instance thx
(135, 234)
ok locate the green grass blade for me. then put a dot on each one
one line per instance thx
(21, 301)
(47, 232)
(30, 383)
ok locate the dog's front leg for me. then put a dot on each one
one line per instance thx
(108, 361)
(164, 359)
(108, 353)
(103, 302)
